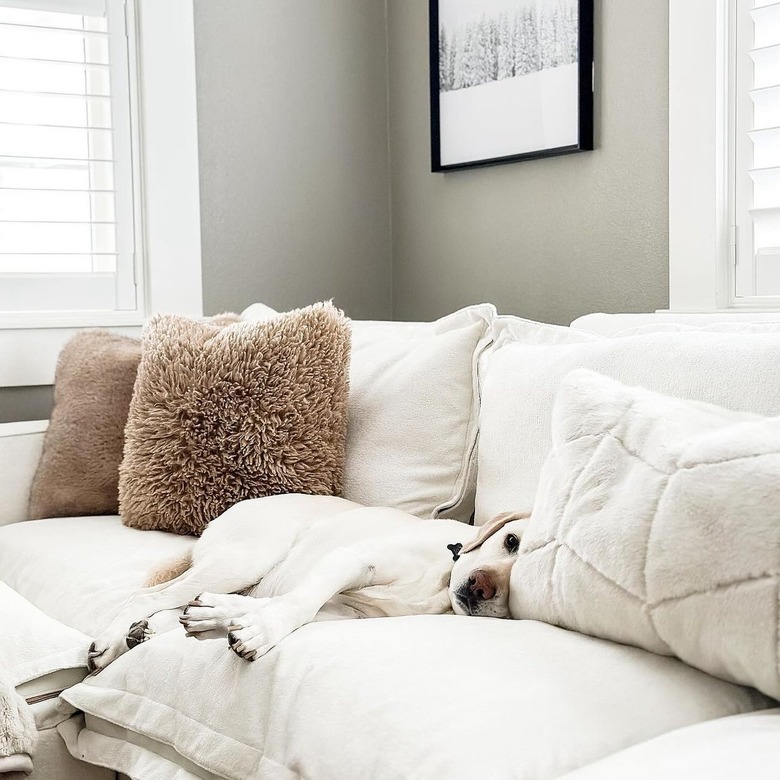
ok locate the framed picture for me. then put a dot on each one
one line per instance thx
(510, 80)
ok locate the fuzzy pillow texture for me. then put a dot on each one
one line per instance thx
(78, 473)
(657, 524)
(222, 414)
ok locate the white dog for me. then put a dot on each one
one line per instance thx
(301, 558)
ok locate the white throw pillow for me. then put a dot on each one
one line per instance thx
(414, 411)
(657, 524)
(737, 371)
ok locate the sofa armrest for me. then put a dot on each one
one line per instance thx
(20, 450)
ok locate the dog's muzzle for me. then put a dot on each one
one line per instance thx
(477, 589)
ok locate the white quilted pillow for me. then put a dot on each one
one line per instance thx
(657, 524)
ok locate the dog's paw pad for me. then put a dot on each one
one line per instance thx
(138, 633)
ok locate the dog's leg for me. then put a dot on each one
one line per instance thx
(267, 623)
(215, 569)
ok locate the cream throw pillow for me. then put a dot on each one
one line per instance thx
(657, 524)
(413, 413)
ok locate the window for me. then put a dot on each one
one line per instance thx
(164, 188)
(724, 155)
(67, 220)
(757, 150)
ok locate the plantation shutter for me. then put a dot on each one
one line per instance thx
(67, 228)
(757, 149)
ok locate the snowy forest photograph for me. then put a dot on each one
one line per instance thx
(508, 79)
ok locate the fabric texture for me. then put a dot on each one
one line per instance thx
(18, 734)
(610, 325)
(547, 700)
(224, 413)
(413, 413)
(78, 473)
(509, 329)
(742, 746)
(739, 371)
(80, 570)
(54, 762)
(106, 744)
(34, 645)
(657, 524)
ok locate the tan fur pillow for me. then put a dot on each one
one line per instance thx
(224, 414)
(78, 471)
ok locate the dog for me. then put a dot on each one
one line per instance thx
(268, 566)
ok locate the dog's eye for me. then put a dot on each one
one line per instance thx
(511, 543)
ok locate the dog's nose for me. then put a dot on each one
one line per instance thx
(481, 585)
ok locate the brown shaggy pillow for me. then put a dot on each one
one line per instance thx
(224, 414)
(78, 473)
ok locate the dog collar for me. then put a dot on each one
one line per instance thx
(455, 550)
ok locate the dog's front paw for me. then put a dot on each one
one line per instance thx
(115, 642)
(105, 649)
(212, 613)
(139, 632)
(254, 634)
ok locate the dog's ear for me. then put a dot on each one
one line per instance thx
(491, 527)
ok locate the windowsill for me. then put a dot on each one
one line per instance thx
(47, 320)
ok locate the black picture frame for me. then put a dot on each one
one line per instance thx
(585, 72)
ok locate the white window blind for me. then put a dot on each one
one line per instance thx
(757, 150)
(67, 219)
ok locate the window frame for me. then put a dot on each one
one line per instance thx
(166, 188)
(703, 238)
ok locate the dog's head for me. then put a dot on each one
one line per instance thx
(479, 583)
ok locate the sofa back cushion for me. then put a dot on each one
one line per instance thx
(739, 371)
(657, 524)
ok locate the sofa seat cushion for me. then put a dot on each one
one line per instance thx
(80, 570)
(392, 697)
(741, 746)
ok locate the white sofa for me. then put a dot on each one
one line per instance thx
(419, 697)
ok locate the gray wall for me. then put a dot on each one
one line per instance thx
(292, 107)
(25, 403)
(549, 239)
